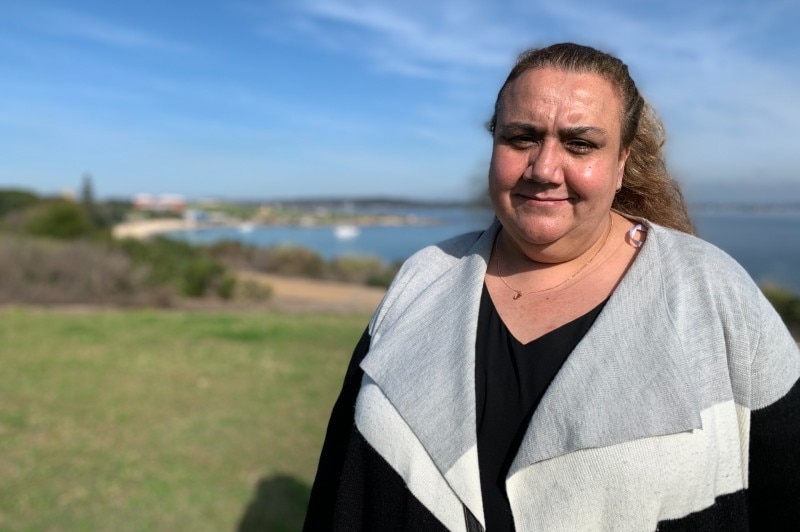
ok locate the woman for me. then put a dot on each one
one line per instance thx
(583, 364)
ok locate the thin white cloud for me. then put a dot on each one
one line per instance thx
(733, 108)
(693, 61)
(729, 106)
(72, 23)
(407, 38)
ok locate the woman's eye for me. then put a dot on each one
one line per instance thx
(580, 146)
(522, 141)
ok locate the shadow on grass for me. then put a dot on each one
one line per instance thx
(278, 505)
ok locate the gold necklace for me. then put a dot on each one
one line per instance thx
(518, 293)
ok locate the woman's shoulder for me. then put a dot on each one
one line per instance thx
(684, 255)
(445, 252)
(432, 264)
(431, 261)
(706, 292)
(675, 241)
(706, 284)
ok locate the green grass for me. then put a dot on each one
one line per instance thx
(148, 420)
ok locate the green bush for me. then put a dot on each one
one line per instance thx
(302, 262)
(226, 287)
(108, 213)
(166, 259)
(60, 219)
(232, 253)
(252, 290)
(15, 200)
(353, 269)
(46, 271)
(189, 268)
(289, 260)
(787, 304)
(385, 277)
(198, 276)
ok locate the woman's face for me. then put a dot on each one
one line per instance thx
(556, 161)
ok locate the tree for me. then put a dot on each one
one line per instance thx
(15, 200)
(87, 192)
(59, 219)
(87, 200)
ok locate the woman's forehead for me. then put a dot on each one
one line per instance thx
(549, 94)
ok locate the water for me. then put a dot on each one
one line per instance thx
(388, 243)
(766, 244)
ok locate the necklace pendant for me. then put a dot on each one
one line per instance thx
(517, 295)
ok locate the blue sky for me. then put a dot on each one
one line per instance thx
(277, 99)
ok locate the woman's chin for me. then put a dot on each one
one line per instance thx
(539, 232)
(535, 239)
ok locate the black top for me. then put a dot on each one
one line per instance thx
(357, 489)
(510, 380)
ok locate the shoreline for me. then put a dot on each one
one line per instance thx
(143, 229)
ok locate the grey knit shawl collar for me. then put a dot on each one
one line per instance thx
(626, 379)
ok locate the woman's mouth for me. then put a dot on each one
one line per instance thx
(543, 199)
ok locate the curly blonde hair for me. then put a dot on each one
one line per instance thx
(648, 191)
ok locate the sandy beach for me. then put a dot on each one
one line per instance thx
(146, 228)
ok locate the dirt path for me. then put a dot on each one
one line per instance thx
(288, 293)
(295, 293)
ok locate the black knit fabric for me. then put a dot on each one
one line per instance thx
(357, 490)
(510, 380)
(372, 496)
(774, 492)
(338, 443)
(727, 514)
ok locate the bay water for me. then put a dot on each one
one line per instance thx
(766, 244)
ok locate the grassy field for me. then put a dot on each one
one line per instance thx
(150, 420)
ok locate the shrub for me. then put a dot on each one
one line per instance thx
(40, 271)
(252, 290)
(60, 219)
(231, 253)
(787, 304)
(289, 260)
(385, 277)
(302, 262)
(190, 269)
(108, 213)
(354, 269)
(226, 287)
(15, 200)
(198, 275)
(164, 258)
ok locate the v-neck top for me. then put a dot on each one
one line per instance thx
(510, 380)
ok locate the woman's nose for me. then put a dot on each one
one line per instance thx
(544, 164)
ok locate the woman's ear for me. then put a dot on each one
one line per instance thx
(623, 158)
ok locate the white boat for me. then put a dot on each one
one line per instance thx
(345, 232)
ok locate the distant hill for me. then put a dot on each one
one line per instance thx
(784, 194)
(378, 202)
